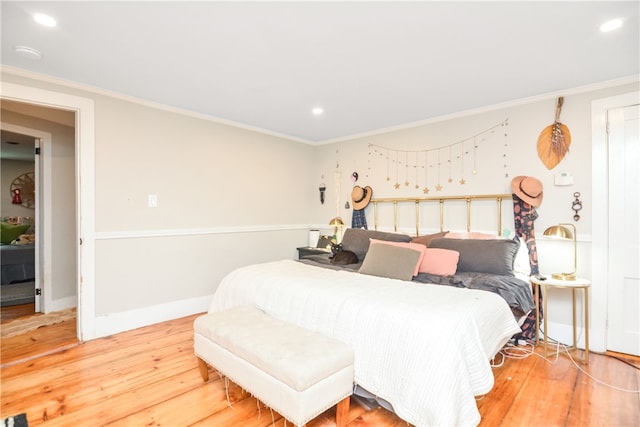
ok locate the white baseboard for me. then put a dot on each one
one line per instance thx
(62, 304)
(125, 321)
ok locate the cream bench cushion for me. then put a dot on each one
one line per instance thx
(297, 372)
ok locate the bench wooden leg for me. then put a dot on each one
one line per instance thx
(342, 412)
(204, 369)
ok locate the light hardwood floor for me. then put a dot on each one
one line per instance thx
(15, 311)
(150, 377)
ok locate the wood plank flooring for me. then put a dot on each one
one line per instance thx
(149, 376)
(15, 311)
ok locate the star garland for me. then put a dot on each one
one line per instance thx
(445, 154)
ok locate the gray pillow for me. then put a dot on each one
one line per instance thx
(494, 256)
(356, 240)
(395, 262)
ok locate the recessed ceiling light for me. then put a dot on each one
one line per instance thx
(317, 111)
(45, 20)
(28, 52)
(614, 24)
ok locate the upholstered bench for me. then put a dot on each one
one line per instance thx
(296, 372)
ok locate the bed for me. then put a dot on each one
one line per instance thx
(423, 341)
(17, 263)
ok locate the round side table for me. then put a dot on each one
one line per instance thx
(540, 285)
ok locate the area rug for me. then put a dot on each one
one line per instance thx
(17, 293)
(16, 421)
(26, 324)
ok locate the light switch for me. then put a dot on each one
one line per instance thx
(153, 201)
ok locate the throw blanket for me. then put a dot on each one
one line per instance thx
(424, 348)
(514, 291)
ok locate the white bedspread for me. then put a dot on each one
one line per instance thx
(423, 348)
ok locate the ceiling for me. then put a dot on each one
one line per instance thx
(15, 146)
(369, 65)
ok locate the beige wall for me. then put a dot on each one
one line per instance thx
(204, 174)
(499, 159)
(226, 197)
(212, 182)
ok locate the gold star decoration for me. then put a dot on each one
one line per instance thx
(462, 181)
(397, 185)
(450, 180)
(438, 187)
(388, 179)
(406, 183)
(425, 190)
(417, 186)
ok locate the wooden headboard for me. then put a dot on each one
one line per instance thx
(441, 201)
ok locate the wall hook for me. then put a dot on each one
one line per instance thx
(322, 189)
(576, 205)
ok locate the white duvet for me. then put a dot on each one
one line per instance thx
(423, 348)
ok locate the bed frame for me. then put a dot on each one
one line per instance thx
(499, 198)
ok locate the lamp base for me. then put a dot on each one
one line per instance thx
(564, 276)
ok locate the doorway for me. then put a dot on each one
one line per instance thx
(83, 208)
(45, 149)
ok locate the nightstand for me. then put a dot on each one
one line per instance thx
(574, 285)
(307, 250)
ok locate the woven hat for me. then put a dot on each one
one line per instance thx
(528, 189)
(361, 197)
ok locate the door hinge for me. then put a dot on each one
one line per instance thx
(38, 291)
(37, 151)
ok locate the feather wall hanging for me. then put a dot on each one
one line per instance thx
(554, 141)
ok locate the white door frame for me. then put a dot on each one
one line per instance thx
(85, 188)
(600, 222)
(43, 225)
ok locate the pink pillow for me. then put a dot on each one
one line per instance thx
(415, 246)
(443, 262)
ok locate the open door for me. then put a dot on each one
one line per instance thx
(623, 333)
(38, 207)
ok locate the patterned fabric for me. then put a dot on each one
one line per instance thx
(524, 216)
(358, 219)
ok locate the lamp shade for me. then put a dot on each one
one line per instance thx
(562, 231)
(336, 222)
(558, 232)
(337, 225)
